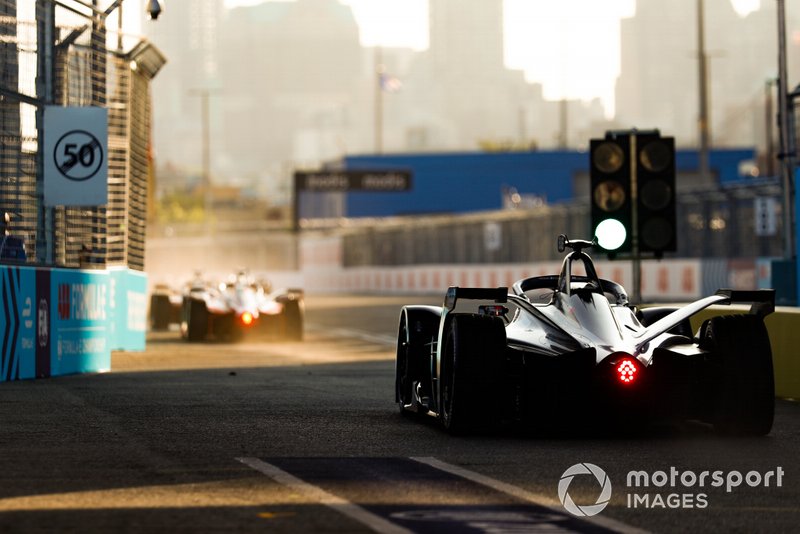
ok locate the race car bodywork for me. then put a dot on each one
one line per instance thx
(241, 308)
(165, 307)
(569, 350)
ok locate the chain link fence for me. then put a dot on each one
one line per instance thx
(54, 54)
(712, 223)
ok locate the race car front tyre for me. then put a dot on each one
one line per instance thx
(197, 320)
(743, 394)
(472, 367)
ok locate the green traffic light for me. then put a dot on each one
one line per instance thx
(611, 234)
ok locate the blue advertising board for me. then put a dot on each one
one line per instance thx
(128, 309)
(18, 323)
(79, 312)
(66, 321)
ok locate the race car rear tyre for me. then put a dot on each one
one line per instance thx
(741, 368)
(197, 320)
(418, 329)
(403, 381)
(471, 373)
(159, 312)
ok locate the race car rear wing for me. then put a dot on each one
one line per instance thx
(763, 303)
(496, 294)
(763, 300)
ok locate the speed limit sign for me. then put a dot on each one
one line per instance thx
(76, 156)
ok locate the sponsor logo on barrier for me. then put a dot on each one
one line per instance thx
(63, 301)
(82, 302)
(43, 320)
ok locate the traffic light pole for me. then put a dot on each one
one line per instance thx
(636, 263)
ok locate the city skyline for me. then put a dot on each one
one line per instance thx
(585, 67)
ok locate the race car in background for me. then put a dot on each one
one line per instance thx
(568, 352)
(165, 307)
(239, 308)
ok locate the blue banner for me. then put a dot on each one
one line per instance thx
(79, 314)
(18, 324)
(128, 309)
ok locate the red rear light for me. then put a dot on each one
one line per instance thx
(626, 370)
(247, 318)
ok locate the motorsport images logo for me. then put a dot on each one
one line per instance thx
(585, 510)
(662, 489)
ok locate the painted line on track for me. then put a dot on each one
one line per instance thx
(380, 339)
(519, 493)
(343, 506)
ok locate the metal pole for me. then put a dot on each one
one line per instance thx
(787, 150)
(379, 71)
(702, 75)
(636, 263)
(45, 42)
(204, 96)
(768, 126)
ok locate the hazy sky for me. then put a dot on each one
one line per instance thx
(571, 47)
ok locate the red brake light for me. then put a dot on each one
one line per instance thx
(626, 370)
(247, 318)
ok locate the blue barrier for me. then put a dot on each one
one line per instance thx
(66, 321)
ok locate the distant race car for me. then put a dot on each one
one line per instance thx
(569, 351)
(239, 308)
(165, 307)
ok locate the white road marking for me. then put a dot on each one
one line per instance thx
(524, 495)
(343, 506)
(380, 339)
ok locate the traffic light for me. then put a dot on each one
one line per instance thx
(612, 206)
(655, 177)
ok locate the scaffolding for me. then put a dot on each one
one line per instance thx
(57, 56)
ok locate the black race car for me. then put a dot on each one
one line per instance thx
(569, 351)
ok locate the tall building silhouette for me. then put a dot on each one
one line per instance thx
(659, 86)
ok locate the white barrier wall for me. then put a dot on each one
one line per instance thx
(321, 260)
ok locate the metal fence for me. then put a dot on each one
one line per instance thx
(712, 223)
(56, 56)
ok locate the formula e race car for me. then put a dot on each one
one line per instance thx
(165, 307)
(568, 351)
(241, 308)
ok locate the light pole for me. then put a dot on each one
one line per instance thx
(380, 71)
(702, 75)
(205, 119)
(788, 148)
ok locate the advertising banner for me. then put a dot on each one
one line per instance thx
(79, 314)
(127, 309)
(18, 323)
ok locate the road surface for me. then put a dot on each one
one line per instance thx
(305, 437)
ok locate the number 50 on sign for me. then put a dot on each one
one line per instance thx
(75, 156)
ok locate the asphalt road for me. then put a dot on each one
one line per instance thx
(305, 437)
